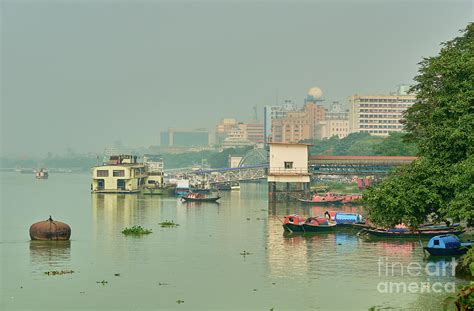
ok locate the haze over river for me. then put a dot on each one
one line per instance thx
(199, 262)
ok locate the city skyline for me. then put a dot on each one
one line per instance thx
(80, 86)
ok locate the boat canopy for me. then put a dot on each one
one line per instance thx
(444, 241)
(343, 218)
(294, 219)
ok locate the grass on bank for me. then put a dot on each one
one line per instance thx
(136, 230)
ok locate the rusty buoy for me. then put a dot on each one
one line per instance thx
(50, 229)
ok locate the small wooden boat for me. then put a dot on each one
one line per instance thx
(293, 223)
(234, 186)
(42, 174)
(406, 233)
(351, 199)
(327, 199)
(199, 197)
(447, 245)
(318, 224)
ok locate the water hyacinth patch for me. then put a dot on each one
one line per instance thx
(136, 230)
(168, 224)
(59, 272)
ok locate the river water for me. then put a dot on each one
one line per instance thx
(198, 265)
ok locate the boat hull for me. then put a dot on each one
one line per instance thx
(411, 235)
(319, 228)
(446, 251)
(213, 199)
(320, 202)
(293, 228)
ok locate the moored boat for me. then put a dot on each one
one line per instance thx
(293, 223)
(406, 233)
(351, 199)
(234, 186)
(154, 182)
(182, 187)
(42, 174)
(447, 245)
(318, 224)
(199, 197)
(326, 199)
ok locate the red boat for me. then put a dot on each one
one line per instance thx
(293, 223)
(351, 198)
(318, 224)
(199, 197)
(328, 198)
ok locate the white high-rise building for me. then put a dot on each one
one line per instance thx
(379, 114)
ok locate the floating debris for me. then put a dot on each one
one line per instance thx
(162, 284)
(273, 283)
(103, 282)
(245, 253)
(248, 218)
(136, 230)
(179, 301)
(168, 224)
(82, 292)
(59, 272)
(117, 274)
(254, 289)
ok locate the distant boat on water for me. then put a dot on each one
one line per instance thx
(42, 174)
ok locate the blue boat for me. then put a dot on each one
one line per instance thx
(447, 245)
(348, 219)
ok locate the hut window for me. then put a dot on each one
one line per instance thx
(436, 242)
(119, 173)
(102, 173)
(288, 164)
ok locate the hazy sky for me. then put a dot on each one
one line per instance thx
(82, 74)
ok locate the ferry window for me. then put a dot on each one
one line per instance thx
(436, 242)
(288, 164)
(102, 173)
(118, 173)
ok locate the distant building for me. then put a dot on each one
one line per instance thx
(379, 114)
(121, 174)
(290, 125)
(185, 138)
(275, 112)
(244, 135)
(224, 128)
(299, 125)
(336, 122)
(335, 127)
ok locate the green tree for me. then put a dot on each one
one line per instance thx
(440, 185)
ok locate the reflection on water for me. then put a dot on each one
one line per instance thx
(200, 259)
(50, 255)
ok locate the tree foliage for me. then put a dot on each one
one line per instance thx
(440, 184)
(363, 144)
